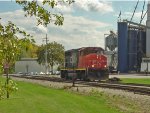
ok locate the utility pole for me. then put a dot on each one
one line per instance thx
(46, 64)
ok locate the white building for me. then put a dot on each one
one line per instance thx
(28, 65)
(145, 65)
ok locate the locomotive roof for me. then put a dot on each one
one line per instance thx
(84, 48)
(72, 50)
(93, 48)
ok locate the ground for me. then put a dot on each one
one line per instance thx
(37, 96)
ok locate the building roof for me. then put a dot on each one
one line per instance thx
(28, 59)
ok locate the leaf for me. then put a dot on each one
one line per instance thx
(43, 16)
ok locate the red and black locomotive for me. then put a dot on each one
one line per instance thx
(87, 63)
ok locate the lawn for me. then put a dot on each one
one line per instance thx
(136, 80)
(33, 98)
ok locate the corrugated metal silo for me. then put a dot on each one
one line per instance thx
(141, 49)
(123, 47)
(111, 42)
(143, 41)
(148, 31)
(132, 49)
(131, 46)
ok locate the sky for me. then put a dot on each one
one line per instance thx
(85, 21)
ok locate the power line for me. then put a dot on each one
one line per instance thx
(134, 11)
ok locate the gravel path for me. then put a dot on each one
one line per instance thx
(140, 103)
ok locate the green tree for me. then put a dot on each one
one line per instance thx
(30, 52)
(55, 54)
(11, 46)
(43, 16)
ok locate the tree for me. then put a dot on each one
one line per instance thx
(11, 46)
(55, 54)
(30, 52)
(43, 16)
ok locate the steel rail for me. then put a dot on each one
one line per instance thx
(131, 87)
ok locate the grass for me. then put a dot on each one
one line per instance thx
(33, 98)
(136, 80)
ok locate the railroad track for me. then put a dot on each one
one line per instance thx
(136, 88)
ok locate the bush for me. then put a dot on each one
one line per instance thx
(1, 70)
(2, 91)
(10, 87)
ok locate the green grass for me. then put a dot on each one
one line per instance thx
(136, 80)
(32, 98)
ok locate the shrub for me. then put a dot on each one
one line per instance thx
(2, 91)
(10, 87)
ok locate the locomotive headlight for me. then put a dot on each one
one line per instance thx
(92, 65)
(105, 66)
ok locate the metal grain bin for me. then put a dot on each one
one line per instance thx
(143, 41)
(111, 42)
(141, 49)
(123, 47)
(132, 49)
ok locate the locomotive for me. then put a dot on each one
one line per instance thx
(86, 63)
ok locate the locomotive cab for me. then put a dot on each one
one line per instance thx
(85, 63)
(95, 63)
